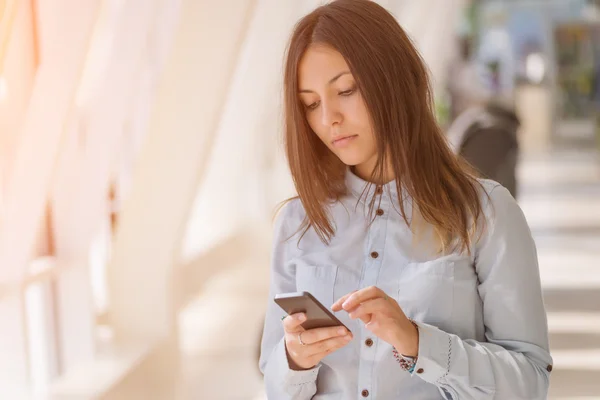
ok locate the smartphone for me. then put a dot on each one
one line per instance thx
(317, 315)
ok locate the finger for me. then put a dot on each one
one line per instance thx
(292, 345)
(329, 345)
(367, 308)
(319, 334)
(296, 348)
(337, 306)
(361, 296)
(372, 326)
(292, 323)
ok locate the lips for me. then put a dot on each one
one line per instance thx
(344, 140)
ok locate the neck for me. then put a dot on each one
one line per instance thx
(365, 172)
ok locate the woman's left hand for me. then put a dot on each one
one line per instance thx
(383, 316)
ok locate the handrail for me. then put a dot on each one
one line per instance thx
(42, 269)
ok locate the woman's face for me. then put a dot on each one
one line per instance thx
(335, 109)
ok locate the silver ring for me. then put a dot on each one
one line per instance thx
(300, 339)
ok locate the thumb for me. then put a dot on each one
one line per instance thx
(293, 323)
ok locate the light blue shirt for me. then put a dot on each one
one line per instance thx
(482, 325)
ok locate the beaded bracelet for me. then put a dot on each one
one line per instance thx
(406, 363)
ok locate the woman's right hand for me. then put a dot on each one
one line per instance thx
(318, 342)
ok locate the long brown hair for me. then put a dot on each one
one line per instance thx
(394, 83)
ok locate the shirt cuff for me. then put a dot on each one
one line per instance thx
(289, 376)
(435, 353)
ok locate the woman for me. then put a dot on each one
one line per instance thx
(434, 271)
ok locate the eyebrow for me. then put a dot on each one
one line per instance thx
(335, 78)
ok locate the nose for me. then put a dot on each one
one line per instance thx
(331, 115)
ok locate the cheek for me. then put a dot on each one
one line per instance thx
(317, 128)
(357, 111)
(357, 116)
(362, 121)
(312, 121)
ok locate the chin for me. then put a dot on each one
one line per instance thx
(351, 160)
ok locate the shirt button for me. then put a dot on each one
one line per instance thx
(369, 342)
(365, 393)
(420, 371)
(379, 190)
(379, 212)
(374, 254)
(549, 368)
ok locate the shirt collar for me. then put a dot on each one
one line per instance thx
(358, 187)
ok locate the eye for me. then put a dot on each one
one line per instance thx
(312, 106)
(347, 92)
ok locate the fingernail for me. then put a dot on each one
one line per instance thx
(347, 338)
(301, 317)
(341, 331)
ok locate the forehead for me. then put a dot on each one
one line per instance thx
(318, 65)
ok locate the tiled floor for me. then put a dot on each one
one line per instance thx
(560, 195)
(561, 199)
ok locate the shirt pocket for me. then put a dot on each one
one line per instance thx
(426, 290)
(318, 280)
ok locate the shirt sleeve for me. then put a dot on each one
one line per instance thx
(514, 362)
(281, 382)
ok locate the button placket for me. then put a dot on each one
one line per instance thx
(374, 251)
(382, 203)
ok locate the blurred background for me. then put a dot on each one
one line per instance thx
(141, 163)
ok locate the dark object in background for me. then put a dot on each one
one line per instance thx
(487, 138)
